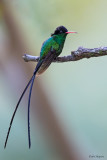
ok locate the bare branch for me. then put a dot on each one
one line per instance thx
(75, 55)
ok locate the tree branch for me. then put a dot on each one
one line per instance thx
(80, 53)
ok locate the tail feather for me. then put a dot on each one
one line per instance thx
(16, 110)
(31, 81)
(33, 78)
(29, 139)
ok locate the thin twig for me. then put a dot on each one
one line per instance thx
(75, 55)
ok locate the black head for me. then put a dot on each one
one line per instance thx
(59, 30)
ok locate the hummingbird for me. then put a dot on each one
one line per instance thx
(51, 48)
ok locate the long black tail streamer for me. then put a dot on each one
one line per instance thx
(29, 139)
(16, 110)
(31, 81)
(33, 78)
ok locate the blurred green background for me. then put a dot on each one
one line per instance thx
(69, 100)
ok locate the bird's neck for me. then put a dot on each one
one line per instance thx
(60, 39)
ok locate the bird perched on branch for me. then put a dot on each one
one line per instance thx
(51, 49)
